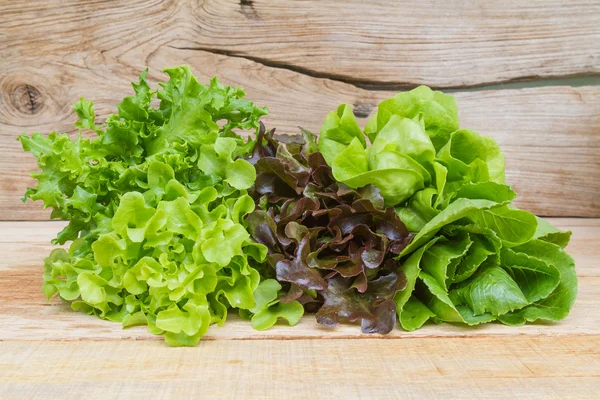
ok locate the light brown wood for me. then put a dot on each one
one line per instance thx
(441, 43)
(550, 135)
(26, 315)
(48, 351)
(303, 58)
(449, 368)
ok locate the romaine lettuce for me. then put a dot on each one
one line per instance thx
(475, 257)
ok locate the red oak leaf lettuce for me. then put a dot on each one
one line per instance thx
(331, 246)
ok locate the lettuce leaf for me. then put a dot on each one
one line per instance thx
(323, 237)
(474, 258)
(415, 145)
(156, 204)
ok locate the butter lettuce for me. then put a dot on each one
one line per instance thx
(475, 258)
(415, 144)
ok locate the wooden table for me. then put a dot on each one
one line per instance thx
(301, 59)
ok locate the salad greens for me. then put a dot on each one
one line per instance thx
(330, 246)
(474, 258)
(175, 218)
(156, 204)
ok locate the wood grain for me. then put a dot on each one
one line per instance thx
(449, 368)
(301, 59)
(25, 315)
(315, 54)
(550, 135)
(436, 42)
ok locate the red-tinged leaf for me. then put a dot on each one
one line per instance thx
(297, 271)
(329, 234)
(377, 313)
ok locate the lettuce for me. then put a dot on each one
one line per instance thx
(175, 219)
(480, 261)
(415, 145)
(474, 257)
(331, 247)
(156, 203)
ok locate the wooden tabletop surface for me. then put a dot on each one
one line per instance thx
(525, 73)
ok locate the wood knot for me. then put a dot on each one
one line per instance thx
(363, 110)
(248, 9)
(27, 99)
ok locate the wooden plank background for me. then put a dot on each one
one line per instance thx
(434, 42)
(303, 58)
(454, 368)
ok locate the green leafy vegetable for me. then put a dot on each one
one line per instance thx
(415, 145)
(156, 204)
(175, 218)
(474, 258)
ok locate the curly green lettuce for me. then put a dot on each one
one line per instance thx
(156, 202)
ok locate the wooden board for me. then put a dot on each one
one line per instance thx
(441, 43)
(550, 135)
(26, 315)
(449, 368)
(301, 59)
(48, 351)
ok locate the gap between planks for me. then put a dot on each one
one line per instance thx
(460, 44)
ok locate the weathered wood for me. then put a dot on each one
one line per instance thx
(550, 135)
(302, 59)
(26, 315)
(440, 43)
(449, 368)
